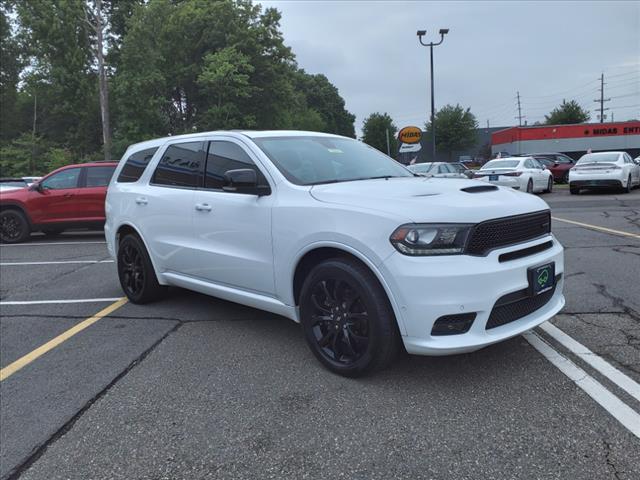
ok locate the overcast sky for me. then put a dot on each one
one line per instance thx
(545, 50)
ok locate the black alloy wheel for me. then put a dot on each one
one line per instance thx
(347, 319)
(340, 321)
(530, 186)
(14, 227)
(135, 271)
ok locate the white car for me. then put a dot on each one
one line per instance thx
(604, 170)
(436, 169)
(522, 173)
(333, 234)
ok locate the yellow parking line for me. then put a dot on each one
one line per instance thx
(12, 368)
(596, 227)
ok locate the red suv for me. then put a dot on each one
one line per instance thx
(70, 197)
(558, 164)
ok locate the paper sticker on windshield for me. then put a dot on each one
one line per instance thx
(334, 150)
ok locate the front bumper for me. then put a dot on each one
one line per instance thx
(427, 288)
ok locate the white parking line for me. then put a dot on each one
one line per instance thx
(46, 302)
(616, 376)
(13, 264)
(624, 414)
(36, 244)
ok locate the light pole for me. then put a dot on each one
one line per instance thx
(421, 33)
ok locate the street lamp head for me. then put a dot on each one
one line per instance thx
(420, 33)
(444, 31)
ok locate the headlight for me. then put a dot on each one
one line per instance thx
(431, 239)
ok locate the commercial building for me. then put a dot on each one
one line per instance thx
(573, 140)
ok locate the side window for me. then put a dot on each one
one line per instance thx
(225, 156)
(181, 165)
(528, 163)
(99, 176)
(65, 179)
(135, 165)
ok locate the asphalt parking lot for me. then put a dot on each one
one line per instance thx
(195, 387)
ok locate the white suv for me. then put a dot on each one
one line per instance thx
(333, 234)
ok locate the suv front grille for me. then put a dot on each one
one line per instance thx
(506, 231)
(516, 305)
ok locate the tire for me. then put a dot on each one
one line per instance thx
(574, 190)
(530, 186)
(14, 227)
(52, 232)
(135, 271)
(549, 185)
(627, 189)
(565, 177)
(346, 318)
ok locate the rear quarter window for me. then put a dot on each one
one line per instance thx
(135, 165)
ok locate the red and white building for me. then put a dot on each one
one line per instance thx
(573, 140)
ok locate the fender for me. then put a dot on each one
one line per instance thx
(18, 206)
(135, 229)
(360, 256)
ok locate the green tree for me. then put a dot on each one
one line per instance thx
(567, 113)
(374, 132)
(455, 129)
(225, 78)
(10, 67)
(323, 98)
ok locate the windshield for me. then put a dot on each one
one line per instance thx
(314, 160)
(501, 164)
(598, 157)
(421, 167)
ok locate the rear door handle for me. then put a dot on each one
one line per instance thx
(142, 201)
(203, 207)
(68, 194)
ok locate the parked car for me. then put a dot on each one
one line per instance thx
(70, 197)
(521, 173)
(335, 235)
(7, 184)
(558, 164)
(436, 169)
(604, 170)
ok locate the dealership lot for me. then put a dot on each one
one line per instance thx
(195, 387)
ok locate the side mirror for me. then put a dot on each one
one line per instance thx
(244, 180)
(36, 187)
(468, 173)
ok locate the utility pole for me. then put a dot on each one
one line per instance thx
(519, 117)
(487, 124)
(421, 33)
(602, 99)
(33, 133)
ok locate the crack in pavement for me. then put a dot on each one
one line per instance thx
(617, 301)
(616, 472)
(38, 451)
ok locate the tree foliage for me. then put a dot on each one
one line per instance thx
(455, 129)
(374, 132)
(567, 113)
(173, 67)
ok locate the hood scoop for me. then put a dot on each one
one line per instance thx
(479, 189)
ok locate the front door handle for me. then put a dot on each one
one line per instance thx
(142, 201)
(203, 207)
(68, 195)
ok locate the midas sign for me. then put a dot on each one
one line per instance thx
(410, 135)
